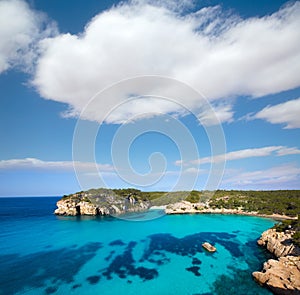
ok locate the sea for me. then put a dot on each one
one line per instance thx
(41, 253)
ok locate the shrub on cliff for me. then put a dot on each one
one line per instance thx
(290, 225)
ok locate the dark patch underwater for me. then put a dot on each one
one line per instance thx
(35, 270)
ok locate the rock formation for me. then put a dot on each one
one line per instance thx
(184, 207)
(279, 243)
(281, 276)
(106, 203)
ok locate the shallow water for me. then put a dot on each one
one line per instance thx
(41, 253)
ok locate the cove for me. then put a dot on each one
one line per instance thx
(47, 254)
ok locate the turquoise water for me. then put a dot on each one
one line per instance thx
(41, 253)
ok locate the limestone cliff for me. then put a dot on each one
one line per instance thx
(281, 276)
(105, 202)
(279, 243)
(183, 207)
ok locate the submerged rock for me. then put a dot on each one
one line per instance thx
(209, 247)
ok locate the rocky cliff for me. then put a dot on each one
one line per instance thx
(281, 276)
(105, 202)
(279, 243)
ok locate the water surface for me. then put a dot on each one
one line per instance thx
(41, 253)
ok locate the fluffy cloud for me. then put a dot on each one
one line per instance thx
(286, 113)
(174, 5)
(279, 177)
(220, 56)
(33, 163)
(221, 113)
(247, 153)
(20, 30)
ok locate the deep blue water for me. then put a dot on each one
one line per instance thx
(41, 253)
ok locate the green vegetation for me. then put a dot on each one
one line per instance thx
(284, 202)
(199, 197)
(193, 197)
(168, 198)
(293, 225)
(296, 238)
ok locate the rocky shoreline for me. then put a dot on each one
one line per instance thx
(185, 207)
(106, 203)
(281, 275)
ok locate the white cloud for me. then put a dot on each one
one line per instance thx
(174, 5)
(288, 151)
(193, 170)
(222, 113)
(284, 113)
(33, 163)
(283, 177)
(219, 55)
(179, 162)
(247, 153)
(20, 30)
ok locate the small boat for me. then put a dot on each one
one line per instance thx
(210, 248)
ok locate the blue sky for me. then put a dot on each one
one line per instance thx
(149, 94)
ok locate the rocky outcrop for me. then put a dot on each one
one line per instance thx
(86, 208)
(184, 207)
(281, 276)
(103, 204)
(66, 208)
(279, 243)
(210, 248)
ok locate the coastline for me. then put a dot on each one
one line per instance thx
(276, 217)
(280, 275)
(118, 235)
(279, 244)
(185, 207)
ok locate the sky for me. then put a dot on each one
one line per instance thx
(151, 94)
